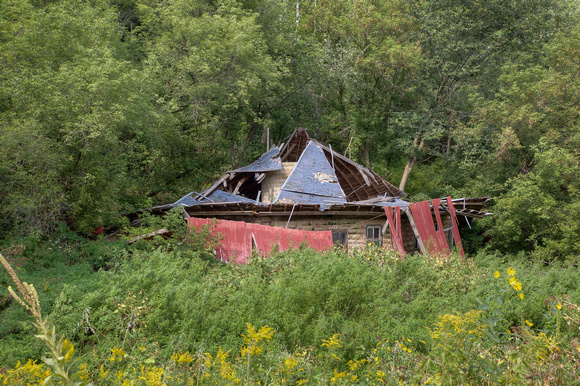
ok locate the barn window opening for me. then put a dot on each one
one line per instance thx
(374, 234)
(340, 238)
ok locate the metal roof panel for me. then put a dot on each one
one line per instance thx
(313, 179)
(267, 162)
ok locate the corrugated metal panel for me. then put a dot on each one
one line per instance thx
(440, 233)
(235, 244)
(434, 240)
(455, 229)
(313, 181)
(267, 162)
(186, 200)
(221, 196)
(236, 241)
(396, 228)
(392, 203)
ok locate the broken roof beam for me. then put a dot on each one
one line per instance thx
(363, 185)
(367, 181)
(213, 187)
(240, 182)
(285, 156)
(347, 163)
(294, 145)
(362, 171)
(353, 190)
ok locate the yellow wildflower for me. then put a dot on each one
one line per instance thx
(496, 274)
(511, 271)
(254, 337)
(521, 295)
(337, 376)
(25, 374)
(69, 348)
(334, 341)
(290, 363)
(559, 306)
(103, 374)
(530, 324)
(182, 357)
(117, 354)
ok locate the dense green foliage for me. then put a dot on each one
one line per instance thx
(109, 106)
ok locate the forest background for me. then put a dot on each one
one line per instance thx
(109, 106)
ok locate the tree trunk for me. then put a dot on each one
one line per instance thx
(367, 156)
(233, 154)
(417, 146)
(297, 13)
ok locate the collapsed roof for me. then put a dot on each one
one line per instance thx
(320, 176)
(303, 175)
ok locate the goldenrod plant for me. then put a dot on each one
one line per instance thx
(59, 357)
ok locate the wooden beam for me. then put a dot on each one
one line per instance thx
(315, 213)
(347, 179)
(415, 230)
(285, 157)
(213, 187)
(364, 184)
(365, 178)
(148, 235)
(385, 229)
(353, 191)
(240, 182)
(376, 183)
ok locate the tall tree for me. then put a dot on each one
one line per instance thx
(214, 66)
(369, 61)
(464, 44)
(73, 112)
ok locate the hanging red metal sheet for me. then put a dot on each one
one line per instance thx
(236, 239)
(265, 238)
(441, 239)
(236, 245)
(417, 212)
(430, 227)
(455, 229)
(319, 240)
(424, 221)
(395, 228)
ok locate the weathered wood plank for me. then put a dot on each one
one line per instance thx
(415, 230)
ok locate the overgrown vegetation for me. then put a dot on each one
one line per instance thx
(168, 314)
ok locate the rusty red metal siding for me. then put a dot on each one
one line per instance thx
(395, 228)
(236, 239)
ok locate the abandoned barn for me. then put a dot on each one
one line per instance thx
(305, 185)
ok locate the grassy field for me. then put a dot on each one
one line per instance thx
(161, 313)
